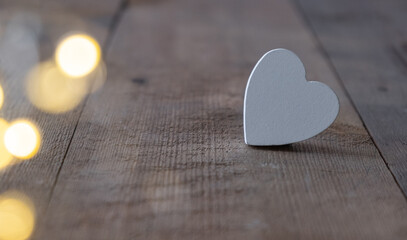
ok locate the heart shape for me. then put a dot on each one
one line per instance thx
(281, 106)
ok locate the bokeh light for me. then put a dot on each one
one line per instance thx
(60, 86)
(97, 78)
(1, 96)
(17, 216)
(54, 92)
(78, 55)
(5, 156)
(22, 139)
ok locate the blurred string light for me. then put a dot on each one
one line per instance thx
(17, 216)
(52, 91)
(5, 156)
(78, 55)
(22, 139)
(60, 85)
(97, 78)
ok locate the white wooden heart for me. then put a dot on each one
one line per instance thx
(281, 106)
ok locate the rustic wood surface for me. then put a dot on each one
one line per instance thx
(158, 153)
(42, 23)
(367, 46)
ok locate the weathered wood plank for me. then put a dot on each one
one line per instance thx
(159, 152)
(80, 8)
(28, 34)
(358, 40)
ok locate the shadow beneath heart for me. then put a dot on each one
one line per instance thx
(281, 148)
(319, 145)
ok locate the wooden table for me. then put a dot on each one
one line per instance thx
(158, 153)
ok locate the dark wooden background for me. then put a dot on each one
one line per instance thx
(158, 153)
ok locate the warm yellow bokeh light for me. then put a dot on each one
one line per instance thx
(98, 77)
(22, 139)
(5, 157)
(54, 92)
(1, 96)
(78, 55)
(17, 216)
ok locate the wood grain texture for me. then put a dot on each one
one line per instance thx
(363, 39)
(89, 9)
(28, 35)
(159, 152)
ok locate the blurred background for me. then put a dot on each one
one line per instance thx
(51, 59)
(54, 55)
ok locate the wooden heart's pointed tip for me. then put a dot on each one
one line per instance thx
(245, 138)
(253, 142)
(250, 144)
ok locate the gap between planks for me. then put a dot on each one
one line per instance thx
(391, 147)
(325, 55)
(109, 36)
